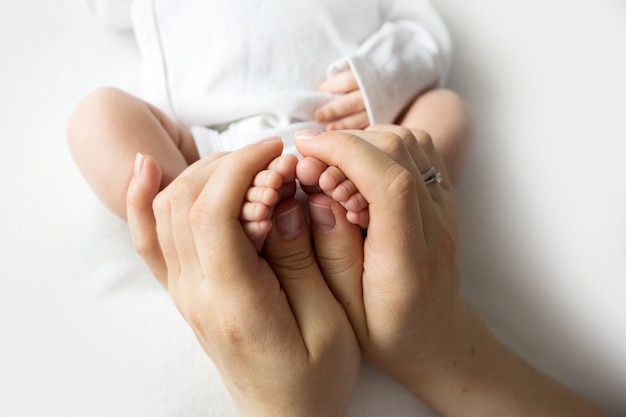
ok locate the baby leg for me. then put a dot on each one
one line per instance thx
(108, 129)
(444, 116)
(268, 188)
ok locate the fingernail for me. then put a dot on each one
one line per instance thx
(289, 223)
(270, 139)
(139, 160)
(307, 134)
(322, 218)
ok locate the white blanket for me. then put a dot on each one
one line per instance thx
(85, 330)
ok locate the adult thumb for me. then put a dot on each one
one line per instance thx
(339, 251)
(143, 187)
(289, 252)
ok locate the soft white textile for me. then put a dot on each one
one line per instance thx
(85, 330)
(212, 63)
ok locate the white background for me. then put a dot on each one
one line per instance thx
(85, 331)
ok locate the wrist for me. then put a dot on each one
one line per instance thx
(290, 411)
(292, 407)
(462, 380)
(483, 377)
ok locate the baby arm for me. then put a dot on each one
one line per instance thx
(408, 55)
(107, 130)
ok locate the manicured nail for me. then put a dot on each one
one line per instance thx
(289, 223)
(270, 139)
(307, 134)
(322, 218)
(139, 160)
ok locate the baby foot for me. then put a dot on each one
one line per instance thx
(268, 188)
(315, 176)
(336, 185)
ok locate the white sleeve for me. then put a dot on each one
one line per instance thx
(410, 53)
(114, 14)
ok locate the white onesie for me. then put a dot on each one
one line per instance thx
(238, 71)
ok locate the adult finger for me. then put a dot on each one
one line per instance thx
(214, 216)
(420, 147)
(401, 144)
(441, 207)
(388, 187)
(289, 252)
(427, 146)
(339, 252)
(413, 149)
(443, 193)
(391, 142)
(142, 189)
(422, 150)
(435, 198)
(201, 164)
(171, 211)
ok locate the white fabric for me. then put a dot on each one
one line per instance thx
(115, 14)
(212, 63)
(246, 131)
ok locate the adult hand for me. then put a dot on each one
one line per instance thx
(400, 290)
(279, 338)
(347, 111)
(399, 284)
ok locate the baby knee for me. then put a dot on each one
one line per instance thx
(95, 111)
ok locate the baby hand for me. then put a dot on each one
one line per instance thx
(346, 111)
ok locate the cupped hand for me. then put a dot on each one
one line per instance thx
(347, 110)
(281, 341)
(398, 285)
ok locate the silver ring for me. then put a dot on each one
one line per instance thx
(432, 175)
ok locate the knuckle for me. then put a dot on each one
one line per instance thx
(146, 247)
(194, 316)
(231, 331)
(424, 140)
(195, 312)
(200, 216)
(191, 305)
(225, 325)
(391, 143)
(294, 264)
(182, 192)
(178, 195)
(400, 180)
(347, 138)
(406, 134)
(161, 206)
(337, 265)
